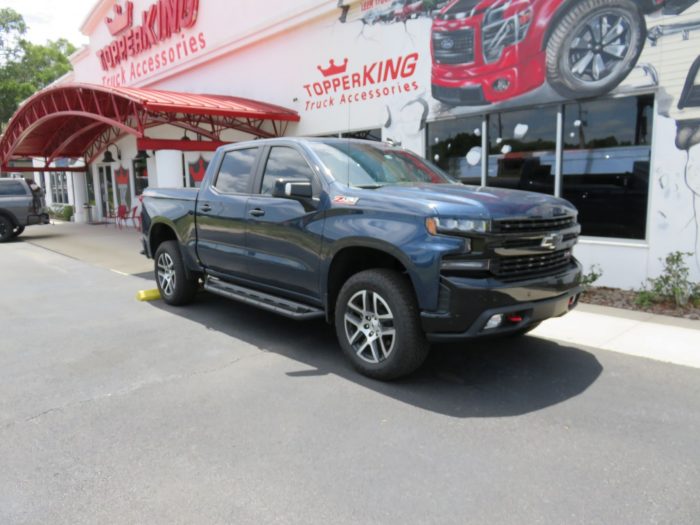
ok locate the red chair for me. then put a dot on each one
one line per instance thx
(122, 216)
(136, 218)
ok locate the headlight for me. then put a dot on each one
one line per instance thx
(452, 226)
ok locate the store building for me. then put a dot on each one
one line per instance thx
(598, 102)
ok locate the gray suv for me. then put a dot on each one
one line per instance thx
(21, 204)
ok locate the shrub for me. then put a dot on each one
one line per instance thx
(673, 284)
(67, 212)
(594, 273)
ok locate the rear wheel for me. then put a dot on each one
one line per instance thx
(18, 231)
(594, 47)
(378, 326)
(173, 283)
(6, 229)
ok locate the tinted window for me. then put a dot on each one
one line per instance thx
(284, 163)
(522, 149)
(606, 164)
(455, 146)
(236, 170)
(12, 188)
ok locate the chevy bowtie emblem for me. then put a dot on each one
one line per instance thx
(551, 241)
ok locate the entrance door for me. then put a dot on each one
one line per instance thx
(106, 191)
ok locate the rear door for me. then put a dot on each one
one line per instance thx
(221, 213)
(285, 235)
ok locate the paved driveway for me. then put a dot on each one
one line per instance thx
(115, 411)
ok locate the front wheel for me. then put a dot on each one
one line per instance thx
(378, 325)
(594, 47)
(173, 283)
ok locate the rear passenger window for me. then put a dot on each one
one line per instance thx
(236, 171)
(12, 188)
(284, 163)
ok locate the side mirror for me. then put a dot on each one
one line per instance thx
(293, 189)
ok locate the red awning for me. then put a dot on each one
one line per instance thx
(79, 120)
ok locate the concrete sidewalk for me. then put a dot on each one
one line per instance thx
(662, 338)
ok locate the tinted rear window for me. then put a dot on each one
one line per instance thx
(12, 187)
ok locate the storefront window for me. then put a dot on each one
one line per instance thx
(606, 164)
(59, 188)
(522, 149)
(140, 175)
(455, 146)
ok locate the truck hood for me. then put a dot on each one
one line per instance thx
(473, 201)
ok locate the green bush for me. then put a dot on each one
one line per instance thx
(594, 273)
(673, 284)
(67, 212)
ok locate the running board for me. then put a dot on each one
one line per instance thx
(272, 303)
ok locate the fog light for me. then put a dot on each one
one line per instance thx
(494, 322)
(501, 84)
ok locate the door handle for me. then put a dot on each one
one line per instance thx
(205, 207)
(257, 212)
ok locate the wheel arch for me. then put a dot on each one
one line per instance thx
(9, 216)
(353, 257)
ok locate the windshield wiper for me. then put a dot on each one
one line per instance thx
(369, 186)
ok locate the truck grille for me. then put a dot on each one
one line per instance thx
(530, 266)
(533, 225)
(454, 47)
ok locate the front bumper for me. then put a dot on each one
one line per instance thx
(467, 304)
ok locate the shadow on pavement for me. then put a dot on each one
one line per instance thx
(480, 379)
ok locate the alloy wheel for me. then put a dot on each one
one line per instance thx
(600, 47)
(166, 273)
(369, 326)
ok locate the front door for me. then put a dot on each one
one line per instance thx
(106, 191)
(284, 235)
(221, 208)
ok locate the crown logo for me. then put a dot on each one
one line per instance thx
(198, 168)
(122, 18)
(332, 69)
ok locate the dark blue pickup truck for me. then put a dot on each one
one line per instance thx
(370, 237)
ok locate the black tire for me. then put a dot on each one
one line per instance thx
(173, 284)
(561, 58)
(6, 229)
(18, 231)
(407, 346)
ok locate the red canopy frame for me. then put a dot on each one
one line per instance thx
(80, 120)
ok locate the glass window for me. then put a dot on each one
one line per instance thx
(13, 187)
(236, 171)
(606, 164)
(284, 163)
(522, 149)
(140, 175)
(366, 165)
(455, 146)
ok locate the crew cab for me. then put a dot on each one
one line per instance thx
(21, 204)
(369, 237)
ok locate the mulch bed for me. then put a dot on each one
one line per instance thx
(617, 298)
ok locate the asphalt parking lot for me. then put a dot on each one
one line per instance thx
(116, 411)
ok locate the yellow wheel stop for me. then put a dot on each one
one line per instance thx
(148, 295)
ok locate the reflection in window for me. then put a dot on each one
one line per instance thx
(606, 164)
(522, 150)
(236, 171)
(140, 175)
(455, 146)
(284, 163)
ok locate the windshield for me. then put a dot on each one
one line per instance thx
(372, 165)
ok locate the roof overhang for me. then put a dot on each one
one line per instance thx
(80, 120)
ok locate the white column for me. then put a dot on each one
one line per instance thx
(80, 192)
(168, 169)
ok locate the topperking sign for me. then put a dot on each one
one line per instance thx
(161, 22)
